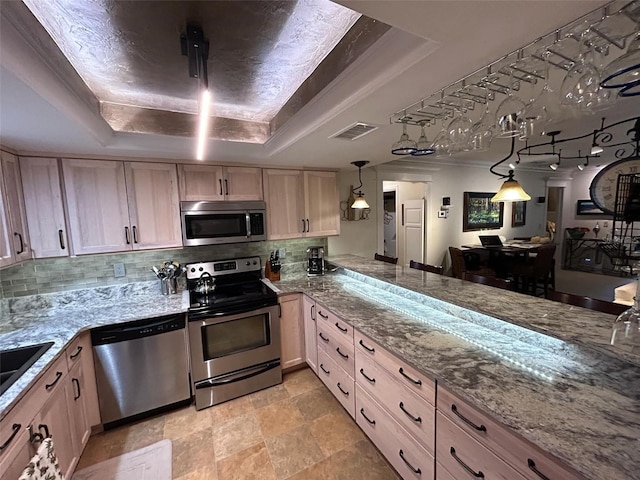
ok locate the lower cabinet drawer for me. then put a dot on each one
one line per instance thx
(406, 455)
(442, 474)
(412, 411)
(337, 381)
(464, 457)
(15, 457)
(339, 349)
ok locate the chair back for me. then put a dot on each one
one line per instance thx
(587, 302)
(384, 258)
(543, 262)
(426, 267)
(457, 262)
(491, 281)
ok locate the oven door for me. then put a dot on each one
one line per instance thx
(226, 344)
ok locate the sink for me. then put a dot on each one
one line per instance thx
(14, 362)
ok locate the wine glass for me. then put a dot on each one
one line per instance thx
(482, 130)
(625, 333)
(459, 131)
(542, 111)
(582, 82)
(441, 142)
(509, 113)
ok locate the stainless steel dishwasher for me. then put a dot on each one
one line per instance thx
(141, 368)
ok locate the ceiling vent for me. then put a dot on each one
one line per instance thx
(355, 131)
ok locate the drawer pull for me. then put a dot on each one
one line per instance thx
(313, 317)
(465, 466)
(416, 382)
(415, 419)
(372, 380)
(16, 428)
(480, 428)
(372, 422)
(76, 382)
(532, 466)
(415, 470)
(61, 238)
(343, 355)
(368, 349)
(344, 330)
(44, 427)
(326, 317)
(73, 356)
(325, 339)
(343, 391)
(325, 371)
(53, 384)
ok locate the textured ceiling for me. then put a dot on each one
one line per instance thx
(261, 53)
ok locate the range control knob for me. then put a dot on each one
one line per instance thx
(193, 269)
(200, 269)
(255, 263)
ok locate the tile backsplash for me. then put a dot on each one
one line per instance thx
(48, 275)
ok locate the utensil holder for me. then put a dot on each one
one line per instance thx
(168, 285)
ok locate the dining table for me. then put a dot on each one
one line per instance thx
(501, 258)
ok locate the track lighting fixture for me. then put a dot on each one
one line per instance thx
(582, 166)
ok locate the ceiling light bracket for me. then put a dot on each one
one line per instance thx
(196, 49)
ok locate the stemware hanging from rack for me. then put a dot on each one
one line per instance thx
(509, 113)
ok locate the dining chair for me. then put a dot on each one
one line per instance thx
(491, 281)
(587, 302)
(384, 258)
(459, 266)
(536, 271)
(426, 267)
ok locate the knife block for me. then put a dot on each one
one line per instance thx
(270, 274)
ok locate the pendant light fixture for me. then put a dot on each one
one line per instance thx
(360, 202)
(510, 191)
(554, 166)
(582, 166)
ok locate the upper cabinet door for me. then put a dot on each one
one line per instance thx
(45, 210)
(97, 206)
(322, 205)
(6, 242)
(154, 212)
(201, 182)
(15, 206)
(284, 195)
(242, 183)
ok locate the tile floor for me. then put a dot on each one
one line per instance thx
(295, 430)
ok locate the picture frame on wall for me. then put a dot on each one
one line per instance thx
(479, 212)
(587, 207)
(518, 214)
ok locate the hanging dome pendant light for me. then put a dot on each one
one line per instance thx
(511, 191)
(360, 202)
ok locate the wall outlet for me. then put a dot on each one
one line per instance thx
(282, 252)
(118, 270)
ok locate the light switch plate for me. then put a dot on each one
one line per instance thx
(442, 214)
(118, 270)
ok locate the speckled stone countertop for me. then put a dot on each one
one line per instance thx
(565, 390)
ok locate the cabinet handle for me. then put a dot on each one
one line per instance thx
(303, 226)
(417, 382)
(308, 226)
(220, 180)
(415, 419)
(323, 369)
(313, 316)
(323, 337)
(16, 428)
(44, 427)
(61, 238)
(323, 315)
(415, 470)
(34, 437)
(372, 422)
(226, 187)
(344, 330)
(343, 355)
(368, 349)
(53, 384)
(135, 234)
(74, 355)
(76, 382)
(465, 466)
(126, 235)
(532, 466)
(372, 380)
(344, 392)
(19, 235)
(480, 428)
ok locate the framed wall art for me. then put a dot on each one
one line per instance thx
(479, 212)
(518, 214)
(587, 207)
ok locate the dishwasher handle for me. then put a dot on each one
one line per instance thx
(137, 329)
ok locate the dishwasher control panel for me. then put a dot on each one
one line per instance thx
(137, 329)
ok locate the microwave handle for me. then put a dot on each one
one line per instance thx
(248, 220)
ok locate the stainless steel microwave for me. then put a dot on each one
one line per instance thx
(212, 223)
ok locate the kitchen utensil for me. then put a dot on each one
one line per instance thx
(206, 284)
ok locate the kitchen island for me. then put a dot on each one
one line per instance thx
(554, 381)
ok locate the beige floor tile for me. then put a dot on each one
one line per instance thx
(279, 417)
(94, 452)
(335, 432)
(137, 435)
(361, 461)
(202, 473)
(252, 463)
(293, 451)
(185, 421)
(301, 381)
(230, 409)
(193, 451)
(324, 470)
(269, 395)
(316, 403)
(236, 434)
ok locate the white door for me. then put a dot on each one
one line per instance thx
(413, 226)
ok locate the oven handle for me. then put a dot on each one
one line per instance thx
(247, 219)
(241, 309)
(238, 376)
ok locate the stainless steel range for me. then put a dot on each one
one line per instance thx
(234, 330)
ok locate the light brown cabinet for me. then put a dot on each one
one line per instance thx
(301, 204)
(291, 331)
(210, 182)
(120, 206)
(44, 206)
(310, 345)
(14, 244)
